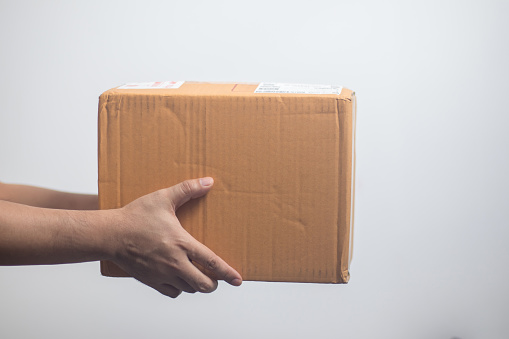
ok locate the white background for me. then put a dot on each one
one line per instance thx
(431, 255)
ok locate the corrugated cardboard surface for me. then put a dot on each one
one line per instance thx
(281, 206)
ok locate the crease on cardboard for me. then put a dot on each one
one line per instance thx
(203, 146)
(297, 223)
(338, 256)
(110, 110)
(101, 141)
(227, 190)
(282, 102)
(103, 100)
(177, 117)
(119, 151)
(345, 222)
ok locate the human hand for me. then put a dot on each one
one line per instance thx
(154, 248)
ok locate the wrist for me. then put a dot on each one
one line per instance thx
(102, 232)
(111, 224)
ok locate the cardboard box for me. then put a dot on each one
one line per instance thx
(282, 157)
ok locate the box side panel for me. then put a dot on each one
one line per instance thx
(109, 164)
(354, 129)
(108, 157)
(346, 186)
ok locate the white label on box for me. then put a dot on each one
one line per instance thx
(152, 85)
(277, 87)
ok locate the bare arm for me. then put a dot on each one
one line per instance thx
(33, 236)
(145, 238)
(42, 197)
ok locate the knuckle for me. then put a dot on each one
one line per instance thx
(212, 263)
(169, 265)
(171, 268)
(183, 243)
(186, 187)
(175, 266)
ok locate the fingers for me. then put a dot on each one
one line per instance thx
(183, 192)
(199, 281)
(182, 285)
(165, 289)
(213, 263)
(173, 289)
(168, 290)
(179, 274)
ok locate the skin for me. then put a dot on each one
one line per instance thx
(145, 238)
(43, 197)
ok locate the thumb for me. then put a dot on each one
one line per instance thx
(186, 190)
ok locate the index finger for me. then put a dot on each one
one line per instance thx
(213, 265)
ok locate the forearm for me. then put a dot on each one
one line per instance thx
(32, 236)
(144, 238)
(46, 198)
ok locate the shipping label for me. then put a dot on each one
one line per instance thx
(152, 85)
(286, 88)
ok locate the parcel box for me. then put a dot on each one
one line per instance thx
(281, 155)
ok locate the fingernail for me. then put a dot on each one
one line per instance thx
(236, 282)
(207, 181)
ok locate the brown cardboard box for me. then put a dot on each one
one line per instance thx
(282, 157)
